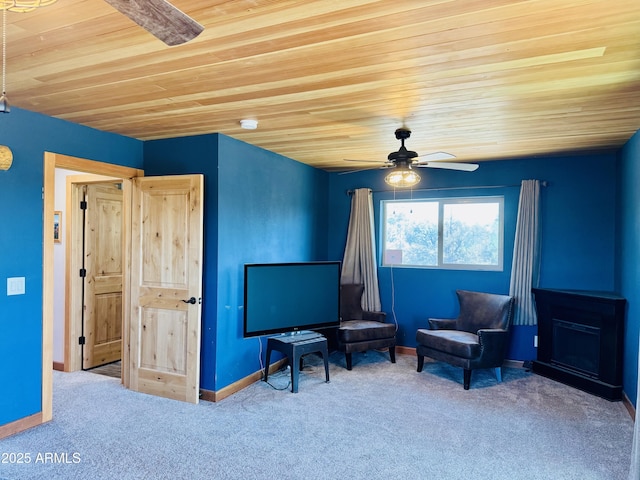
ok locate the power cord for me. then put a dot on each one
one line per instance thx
(393, 298)
(279, 373)
(273, 375)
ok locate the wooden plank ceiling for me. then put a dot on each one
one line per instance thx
(333, 79)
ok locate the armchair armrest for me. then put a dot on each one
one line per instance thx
(442, 324)
(375, 316)
(492, 338)
(493, 342)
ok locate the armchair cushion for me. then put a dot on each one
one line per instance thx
(442, 324)
(481, 310)
(350, 301)
(352, 331)
(351, 307)
(374, 316)
(454, 342)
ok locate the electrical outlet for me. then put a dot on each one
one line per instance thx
(15, 286)
(535, 341)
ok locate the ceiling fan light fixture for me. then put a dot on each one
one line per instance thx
(22, 6)
(402, 178)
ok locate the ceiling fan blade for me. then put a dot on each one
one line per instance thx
(466, 167)
(160, 18)
(383, 167)
(379, 162)
(435, 156)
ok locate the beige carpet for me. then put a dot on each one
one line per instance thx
(378, 421)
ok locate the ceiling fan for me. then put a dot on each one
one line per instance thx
(160, 18)
(402, 162)
(408, 158)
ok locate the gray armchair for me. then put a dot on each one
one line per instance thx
(361, 330)
(478, 338)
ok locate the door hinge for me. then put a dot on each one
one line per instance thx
(83, 272)
(81, 340)
(83, 205)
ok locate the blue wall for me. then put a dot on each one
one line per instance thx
(29, 135)
(578, 235)
(259, 207)
(271, 209)
(187, 155)
(628, 258)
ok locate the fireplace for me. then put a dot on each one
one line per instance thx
(576, 346)
(580, 339)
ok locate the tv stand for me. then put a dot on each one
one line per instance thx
(294, 346)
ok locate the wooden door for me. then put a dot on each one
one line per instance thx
(103, 262)
(166, 272)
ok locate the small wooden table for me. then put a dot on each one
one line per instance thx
(294, 346)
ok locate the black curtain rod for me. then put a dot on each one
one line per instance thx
(543, 183)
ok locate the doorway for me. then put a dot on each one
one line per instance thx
(161, 282)
(90, 329)
(51, 162)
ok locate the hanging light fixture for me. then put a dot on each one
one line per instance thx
(4, 104)
(402, 177)
(20, 6)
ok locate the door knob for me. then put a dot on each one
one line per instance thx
(192, 301)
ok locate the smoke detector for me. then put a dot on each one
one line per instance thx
(249, 124)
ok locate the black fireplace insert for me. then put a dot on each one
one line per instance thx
(576, 346)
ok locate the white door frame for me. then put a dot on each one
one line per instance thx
(51, 162)
(73, 246)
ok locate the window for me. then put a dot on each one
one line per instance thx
(451, 233)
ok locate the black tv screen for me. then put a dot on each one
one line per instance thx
(288, 297)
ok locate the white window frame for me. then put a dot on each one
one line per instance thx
(499, 199)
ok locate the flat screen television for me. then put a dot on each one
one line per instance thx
(290, 297)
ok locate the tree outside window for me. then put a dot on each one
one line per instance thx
(443, 233)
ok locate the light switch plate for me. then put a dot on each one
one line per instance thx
(15, 286)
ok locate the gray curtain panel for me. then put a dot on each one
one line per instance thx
(359, 262)
(526, 258)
